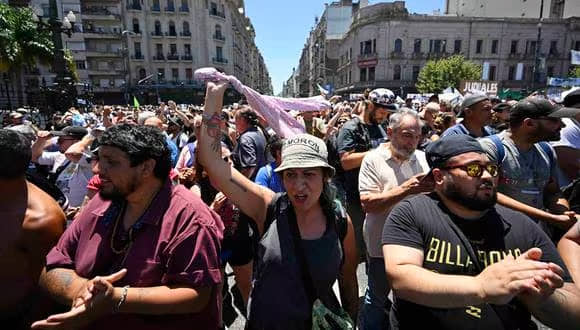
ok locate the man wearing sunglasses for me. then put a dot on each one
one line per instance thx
(456, 260)
(529, 165)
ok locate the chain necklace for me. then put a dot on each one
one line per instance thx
(126, 247)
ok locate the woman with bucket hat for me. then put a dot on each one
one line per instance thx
(306, 239)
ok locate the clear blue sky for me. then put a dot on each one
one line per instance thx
(283, 25)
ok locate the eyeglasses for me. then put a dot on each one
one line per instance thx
(476, 170)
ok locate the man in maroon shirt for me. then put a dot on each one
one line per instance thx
(142, 254)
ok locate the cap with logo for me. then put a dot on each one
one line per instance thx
(382, 97)
(304, 151)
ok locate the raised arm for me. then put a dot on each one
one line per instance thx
(251, 198)
(569, 248)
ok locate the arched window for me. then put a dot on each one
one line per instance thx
(398, 45)
(186, 29)
(397, 72)
(218, 31)
(157, 28)
(172, 29)
(136, 27)
(142, 73)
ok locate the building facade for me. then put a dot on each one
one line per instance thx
(513, 8)
(150, 48)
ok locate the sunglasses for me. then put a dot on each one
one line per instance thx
(476, 170)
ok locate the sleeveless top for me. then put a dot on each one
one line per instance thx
(278, 299)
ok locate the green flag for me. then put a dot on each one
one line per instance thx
(135, 102)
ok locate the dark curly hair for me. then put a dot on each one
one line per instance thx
(15, 153)
(249, 116)
(140, 143)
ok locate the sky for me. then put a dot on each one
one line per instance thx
(282, 27)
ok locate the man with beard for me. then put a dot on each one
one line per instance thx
(357, 137)
(528, 164)
(456, 260)
(142, 254)
(32, 222)
(388, 174)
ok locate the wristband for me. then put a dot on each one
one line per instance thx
(117, 307)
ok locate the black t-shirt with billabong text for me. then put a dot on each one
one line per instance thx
(422, 222)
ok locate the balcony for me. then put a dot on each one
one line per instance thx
(159, 57)
(396, 54)
(514, 55)
(104, 53)
(185, 34)
(187, 58)
(134, 6)
(418, 55)
(170, 9)
(216, 13)
(219, 60)
(171, 34)
(138, 56)
(172, 57)
(367, 60)
(437, 55)
(530, 55)
(157, 34)
(155, 9)
(184, 9)
(219, 37)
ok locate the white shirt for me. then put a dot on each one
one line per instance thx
(73, 180)
(380, 172)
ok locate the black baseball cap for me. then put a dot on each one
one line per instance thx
(74, 131)
(572, 99)
(501, 107)
(535, 108)
(441, 150)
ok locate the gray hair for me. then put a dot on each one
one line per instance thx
(143, 116)
(396, 118)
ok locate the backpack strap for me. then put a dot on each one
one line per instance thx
(271, 215)
(545, 146)
(499, 147)
(191, 147)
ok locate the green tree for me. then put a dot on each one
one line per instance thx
(574, 72)
(438, 75)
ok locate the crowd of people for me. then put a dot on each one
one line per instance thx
(464, 215)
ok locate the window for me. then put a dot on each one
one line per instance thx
(367, 47)
(155, 6)
(417, 46)
(184, 5)
(550, 71)
(374, 46)
(218, 31)
(478, 46)
(514, 47)
(172, 31)
(350, 77)
(531, 47)
(159, 50)
(136, 27)
(350, 53)
(576, 45)
(492, 70)
(173, 49)
(142, 73)
(137, 47)
(188, 74)
(187, 49)
(219, 52)
(494, 44)
(511, 72)
(160, 74)
(186, 31)
(457, 47)
(175, 74)
(157, 28)
(372, 74)
(397, 72)
(398, 45)
(416, 70)
(436, 46)
(170, 5)
(363, 74)
(81, 65)
(553, 47)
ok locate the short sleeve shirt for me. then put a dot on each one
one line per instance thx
(422, 222)
(379, 172)
(176, 242)
(523, 174)
(569, 135)
(250, 150)
(461, 129)
(268, 178)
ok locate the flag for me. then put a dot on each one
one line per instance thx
(575, 57)
(135, 102)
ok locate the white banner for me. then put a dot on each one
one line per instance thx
(485, 71)
(575, 57)
(520, 71)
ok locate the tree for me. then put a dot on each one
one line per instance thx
(437, 75)
(574, 72)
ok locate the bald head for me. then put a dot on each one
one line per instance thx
(154, 121)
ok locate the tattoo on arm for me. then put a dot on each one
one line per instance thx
(239, 185)
(212, 124)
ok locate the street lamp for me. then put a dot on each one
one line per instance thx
(537, 60)
(64, 89)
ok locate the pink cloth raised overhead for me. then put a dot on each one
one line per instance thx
(272, 108)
